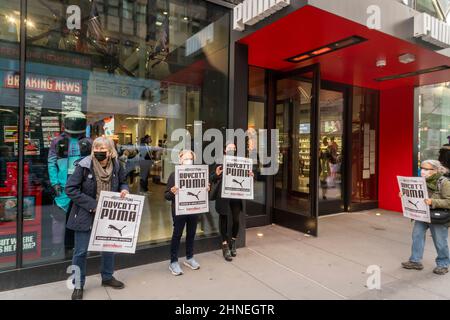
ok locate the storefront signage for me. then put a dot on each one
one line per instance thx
(44, 83)
(250, 12)
(192, 182)
(432, 30)
(8, 243)
(200, 40)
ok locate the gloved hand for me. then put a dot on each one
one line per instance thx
(58, 190)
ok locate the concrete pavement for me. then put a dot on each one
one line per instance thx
(279, 263)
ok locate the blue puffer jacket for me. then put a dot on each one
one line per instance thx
(82, 190)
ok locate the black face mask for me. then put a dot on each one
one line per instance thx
(100, 155)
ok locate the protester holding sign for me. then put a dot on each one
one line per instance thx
(227, 206)
(186, 158)
(439, 198)
(98, 172)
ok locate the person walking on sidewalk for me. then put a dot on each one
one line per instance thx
(439, 192)
(98, 172)
(226, 207)
(186, 157)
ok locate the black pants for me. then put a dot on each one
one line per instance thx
(235, 212)
(190, 220)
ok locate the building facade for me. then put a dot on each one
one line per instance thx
(358, 91)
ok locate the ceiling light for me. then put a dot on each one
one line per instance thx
(338, 45)
(165, 13)
(407, 58)
(381, 63)
(412, 74)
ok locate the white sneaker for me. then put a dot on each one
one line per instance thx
(191, 263)
(175, 268)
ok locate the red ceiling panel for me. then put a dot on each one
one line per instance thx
(310, 28)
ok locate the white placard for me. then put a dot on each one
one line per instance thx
(116, 223)
(192, 195)
(237, 182)
(414, 190)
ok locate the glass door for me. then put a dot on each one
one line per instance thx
(332, 108)
(296, 119)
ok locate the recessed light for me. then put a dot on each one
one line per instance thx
(407, 58)
(412, 74)
(338, 45)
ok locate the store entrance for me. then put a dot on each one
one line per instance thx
(296, 119)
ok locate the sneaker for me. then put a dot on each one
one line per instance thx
(440, 270)
(77, 294)
(113, 283)
(233, 248)
(412, 265)
(226, 252)
(175, 268)
(191, 263)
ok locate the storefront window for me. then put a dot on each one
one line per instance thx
(434, 119)
(364, 146)
(257, 121)
(134, 76)
(9, 115)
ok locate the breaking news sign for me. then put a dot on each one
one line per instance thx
(414, 191)
(237, 183)
(116, 223)
(192, 196)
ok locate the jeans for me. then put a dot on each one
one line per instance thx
(190, 220)
(80, 254)
(439, 233)
(235, 208)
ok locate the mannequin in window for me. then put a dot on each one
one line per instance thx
(65, 150)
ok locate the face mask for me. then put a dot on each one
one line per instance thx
(100, 155)
(230, 152)
(188, 162)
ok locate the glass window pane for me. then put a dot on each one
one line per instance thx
(135, 89)
(364, 146)
(9, 111)
(434, 122)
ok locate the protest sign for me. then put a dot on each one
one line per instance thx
(237, 183)
(414, 191)
(116, 223)
(192, 195)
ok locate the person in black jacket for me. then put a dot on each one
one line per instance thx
(225, 207)
(186, 157)
(98, 172)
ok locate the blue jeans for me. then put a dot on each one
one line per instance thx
(80, 254)
(190, 221)
(439, 233)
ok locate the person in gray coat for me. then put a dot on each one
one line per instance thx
(98, 172)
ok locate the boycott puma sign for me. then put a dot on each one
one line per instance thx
(237, 182)
(116, 223)
(414, 192)
(192, 183)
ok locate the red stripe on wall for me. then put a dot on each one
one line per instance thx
(396, 143)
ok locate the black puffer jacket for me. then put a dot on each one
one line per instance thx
(81, 188)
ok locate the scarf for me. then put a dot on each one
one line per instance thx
(432, 182)
(102, 175)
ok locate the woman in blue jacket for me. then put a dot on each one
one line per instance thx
(98, 172)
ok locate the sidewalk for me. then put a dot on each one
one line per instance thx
(284, 264)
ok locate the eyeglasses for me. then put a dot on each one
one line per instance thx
(426, 169)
